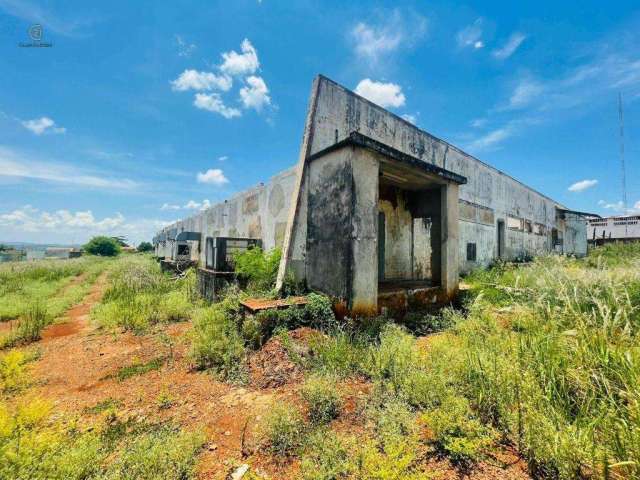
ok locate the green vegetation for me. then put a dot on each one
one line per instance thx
(140, 295)
(283, 429)
(103, 246)
(34, 294)
(36, 444)
(145, 247)
(324, 400)
(138, 368)
(258, 267)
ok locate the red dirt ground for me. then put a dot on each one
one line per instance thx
(78, 360)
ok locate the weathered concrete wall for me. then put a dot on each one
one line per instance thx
(260, 212)
(398, 235)
(338, 112)
(341, 230)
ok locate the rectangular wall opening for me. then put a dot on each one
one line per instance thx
(408, 233)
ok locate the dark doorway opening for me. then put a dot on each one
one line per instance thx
(501, 239)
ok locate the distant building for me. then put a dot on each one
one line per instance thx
(624, 228)
(12, 255)
(62, 252)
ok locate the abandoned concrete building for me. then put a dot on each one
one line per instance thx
(376, 212)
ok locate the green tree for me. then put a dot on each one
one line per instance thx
(145, 247)
(122, 241)
(103, 246)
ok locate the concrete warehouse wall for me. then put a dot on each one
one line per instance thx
(283, 209)
(489, 194)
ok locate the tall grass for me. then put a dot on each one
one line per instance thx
(140, 295)
(553, 358)
(47, 282)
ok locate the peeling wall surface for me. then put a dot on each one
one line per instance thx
(491, 194)
(329, 207)
(260, 212)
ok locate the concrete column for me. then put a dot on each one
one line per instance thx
(449, 215)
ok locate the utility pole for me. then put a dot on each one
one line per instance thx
(622, 165)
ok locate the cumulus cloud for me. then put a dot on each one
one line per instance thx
(373, 40)
(582, 185)
(509, 48)
(43, 125)
(66, 226)
(194, 80)
(380, 93)
(255, 94)
(244, 63)
(618, 207)
(213, 103)
(213, 176)
(471, 36)
(31, 219)
(193, 205)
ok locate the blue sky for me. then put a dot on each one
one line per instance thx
(144, 112)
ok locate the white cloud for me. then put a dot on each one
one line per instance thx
(410, 118)
(256, 94)
(194, 80)
(169, 206)
(373, 40)
(31, 219)
(223, 158)
(244, 63)
(67, 226)
(582, 185)
(213, 176)
(13, 164)
(478, 122)
(193, 205)
(618, 207)
(471, 36)
(525, 92)
(509, 48)
(213, 103)
(42, 125)
(491, 139)
(185, 49)
(383, 94)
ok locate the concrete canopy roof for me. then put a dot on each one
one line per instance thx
(406, 165)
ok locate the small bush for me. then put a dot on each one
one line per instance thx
(258, 267)
(326, 457)
(102, 246)
(324, 400)
(157, 455)
(13, 373)
(216, 344)
(283, 429)
(31, 324)
(457, 432)
(340, 353)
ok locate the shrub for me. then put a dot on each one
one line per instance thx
(322, 396)
(13, 374)
(457, 432)
(216, 344)
(258, 267)
(145, 247)
(157, 455)
(103, 246)
(30, 325)
(339, 353)
(283, 429)
(326, 457)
